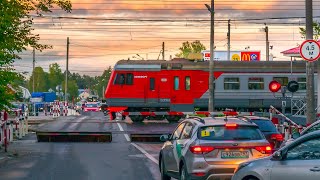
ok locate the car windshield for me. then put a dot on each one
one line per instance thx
(265, 125)
(224, 133)
(92, 105)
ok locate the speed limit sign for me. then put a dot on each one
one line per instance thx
(310, 50)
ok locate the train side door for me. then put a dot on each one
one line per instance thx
(152, 90)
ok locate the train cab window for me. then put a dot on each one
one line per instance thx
(120, 79)
(302, 83)
(129, 79)
(152, 84)
(176, 83)
(231, 83)
(255, 83)
(187, 83)
(282, 80)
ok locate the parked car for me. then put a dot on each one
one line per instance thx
(210, 148)
(295, 161)
(313, 127)
(268, 129)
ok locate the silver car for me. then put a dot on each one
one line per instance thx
(298, 160)
(210, 148)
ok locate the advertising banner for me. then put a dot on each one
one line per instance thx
(234, 55)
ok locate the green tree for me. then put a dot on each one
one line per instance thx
(316, 31)
(17, 35)
(72, 89)
(40, 79)
(102, 82)
(55, 76)
(187, 48)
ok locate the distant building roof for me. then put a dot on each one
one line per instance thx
(293, 52)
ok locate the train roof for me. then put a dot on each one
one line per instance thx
(224, 66)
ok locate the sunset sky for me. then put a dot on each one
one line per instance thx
(102, 32)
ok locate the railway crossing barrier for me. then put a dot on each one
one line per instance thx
(288, 127)
(3, 131)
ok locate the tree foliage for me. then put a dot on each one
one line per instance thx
(187, 48)
(72, 89)
(316, 31)
(17, 35)
(40, 80)
(55, 75)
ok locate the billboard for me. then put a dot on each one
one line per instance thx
(234, 55)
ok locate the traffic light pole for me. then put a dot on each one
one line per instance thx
(310, 110)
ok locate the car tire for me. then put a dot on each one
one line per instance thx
(184, 173)
(164, 176)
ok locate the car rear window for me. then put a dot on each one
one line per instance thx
(92, 105)
(224, 133)
(265, 125)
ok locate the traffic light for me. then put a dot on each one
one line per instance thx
(293, 86)
(274, 86)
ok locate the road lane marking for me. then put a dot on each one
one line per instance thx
(73, 125)
(138, 147)
(145, 153)
(125, 135)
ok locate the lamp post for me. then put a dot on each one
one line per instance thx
(211, 63)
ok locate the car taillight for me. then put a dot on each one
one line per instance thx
(231, 125)
(201, 149)
(264, 149)
(277, 137)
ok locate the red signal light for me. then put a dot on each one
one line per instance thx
(274, 86)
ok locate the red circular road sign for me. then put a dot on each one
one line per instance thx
(310, 50)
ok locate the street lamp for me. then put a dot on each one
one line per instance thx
(211, 63)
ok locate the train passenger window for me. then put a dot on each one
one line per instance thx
(255, 83)
(129, 80)
(231, 83)
(152, 84)
(120, 79)
(282, 80)
(187, 82)
(176, 83)
(302, 83)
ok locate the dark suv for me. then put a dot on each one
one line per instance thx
(268, 129)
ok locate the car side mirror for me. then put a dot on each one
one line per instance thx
(277, 156)
(295, 135)
(164, 138)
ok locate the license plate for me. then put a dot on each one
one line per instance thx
(234, 154)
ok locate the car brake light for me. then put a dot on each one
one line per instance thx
(264, 149)
(201, 149)
(199, 174)
(277, 137)
(231, 125)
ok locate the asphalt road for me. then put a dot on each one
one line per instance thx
(118, 160)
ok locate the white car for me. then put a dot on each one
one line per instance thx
(299, 160)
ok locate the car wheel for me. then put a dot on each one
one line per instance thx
(251, 178)
(164, 176)
(184, 173)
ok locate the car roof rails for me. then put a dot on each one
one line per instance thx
(243, 118)
(197, 118)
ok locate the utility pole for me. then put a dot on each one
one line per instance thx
(67, 69)
(162, 50)
(266, 29)
(33, 66)
(310, 67)
(228, 35)
(211, 62)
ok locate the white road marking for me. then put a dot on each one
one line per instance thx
(75, 123)
(125, 135)
(138, 147)
(145, 153)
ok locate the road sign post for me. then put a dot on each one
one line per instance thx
(310, 50)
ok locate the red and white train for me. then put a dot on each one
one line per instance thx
(180, 85)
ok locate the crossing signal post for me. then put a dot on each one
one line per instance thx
(274, 86)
